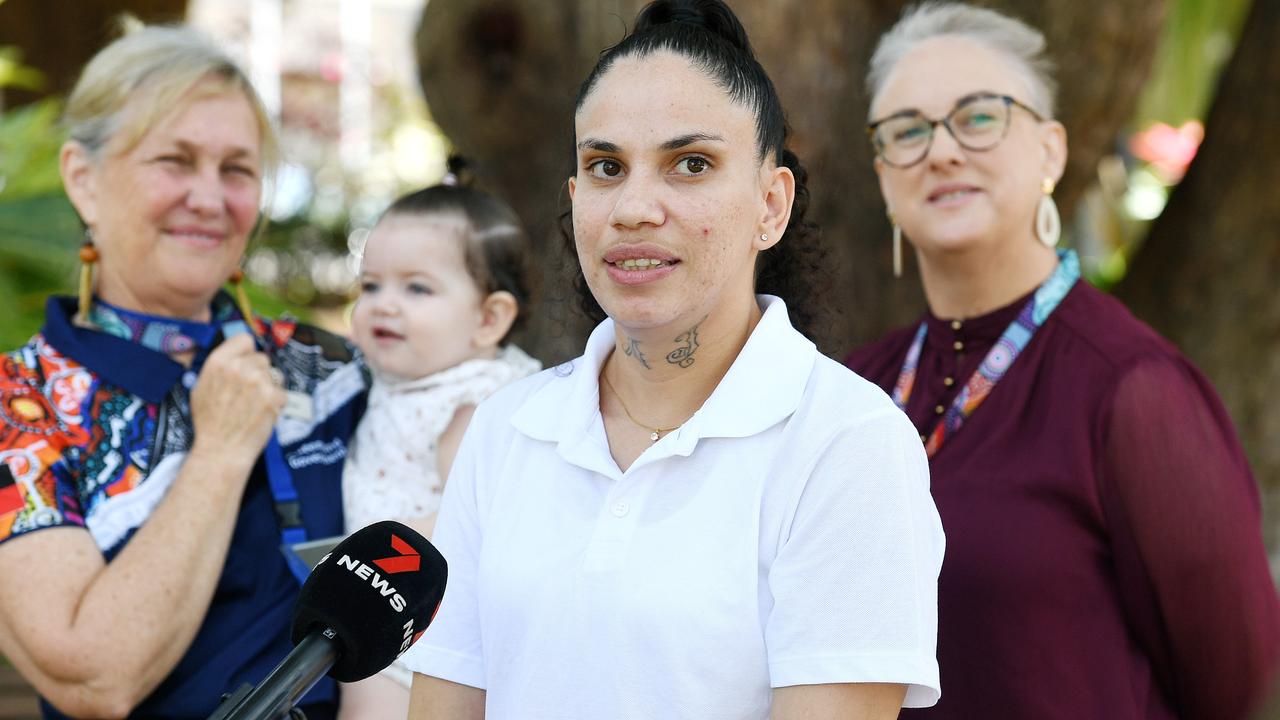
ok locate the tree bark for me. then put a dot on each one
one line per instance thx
(1208, 274)
(59, 36)
(500, 77)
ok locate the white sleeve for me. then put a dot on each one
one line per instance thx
(854, 582)
(450, 648)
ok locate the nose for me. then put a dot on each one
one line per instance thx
(205, 194)
(637, 202)
(382, 303)
(944, 150)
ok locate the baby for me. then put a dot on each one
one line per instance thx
(444, 281)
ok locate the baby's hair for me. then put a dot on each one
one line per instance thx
(495, 244)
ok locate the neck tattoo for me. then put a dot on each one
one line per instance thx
(688, 341)
(633, 350)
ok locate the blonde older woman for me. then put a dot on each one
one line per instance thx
(151, 460)
(1104, 558)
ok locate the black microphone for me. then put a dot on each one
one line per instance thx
(364, 604)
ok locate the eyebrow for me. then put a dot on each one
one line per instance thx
(674, 143)
(906, 112)
(236, 153)
(685, 140)
(599, 146)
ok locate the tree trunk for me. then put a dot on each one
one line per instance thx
(59, 36)
(500, 77)
(1208, 274)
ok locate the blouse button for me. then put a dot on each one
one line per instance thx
(620, 508)
(958, 345)
(955, 324)
(938, 410)
(948, 381)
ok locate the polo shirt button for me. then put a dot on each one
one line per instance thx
(189, 379)
(620, 508)
(958, 345)
(948, 381)
(938, 409)
(955, 324)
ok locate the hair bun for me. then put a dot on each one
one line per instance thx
(457, 172)
(712, 16)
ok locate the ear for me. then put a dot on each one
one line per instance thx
(1053, 139)
(79, 176)
(779, 186)
(881, 168)
(573, 186)
(497, 313)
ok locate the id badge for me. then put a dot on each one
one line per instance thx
(298, 405)
(312, 552)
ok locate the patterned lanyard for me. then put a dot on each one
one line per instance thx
(997, 361)
(164, 335)
(171, 335)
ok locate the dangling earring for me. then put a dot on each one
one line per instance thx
(242, 298)
(1048, 222)
(897, 246)
(88, 257)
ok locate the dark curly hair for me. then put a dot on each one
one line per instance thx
(713, 39)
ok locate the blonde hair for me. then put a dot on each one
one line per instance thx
(1016, 40)
(141, 79)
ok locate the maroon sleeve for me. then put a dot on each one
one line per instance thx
(1184, 514)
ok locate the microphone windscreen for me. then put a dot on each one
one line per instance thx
(377, 590)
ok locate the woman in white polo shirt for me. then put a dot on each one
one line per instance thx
(701, 517)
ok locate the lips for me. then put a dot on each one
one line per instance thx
(380, 333)
(639, 257)
(198, 236)
(952, 192)
(639, 264)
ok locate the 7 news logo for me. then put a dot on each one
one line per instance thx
(405, 560)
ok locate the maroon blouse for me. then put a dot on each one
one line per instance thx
(1104, 552)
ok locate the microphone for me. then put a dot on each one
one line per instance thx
(364, 604)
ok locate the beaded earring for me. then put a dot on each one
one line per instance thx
(88, 257)
(242, 297)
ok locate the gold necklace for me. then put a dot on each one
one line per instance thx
(654, 432)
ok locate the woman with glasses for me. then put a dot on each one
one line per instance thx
(1104, 558)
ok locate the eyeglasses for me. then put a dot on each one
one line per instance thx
(978, 122)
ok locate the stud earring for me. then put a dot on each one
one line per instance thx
(1048, 221)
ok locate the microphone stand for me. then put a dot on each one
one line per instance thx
(274, 697)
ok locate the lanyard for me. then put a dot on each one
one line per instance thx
(998, 360)
(170, 335)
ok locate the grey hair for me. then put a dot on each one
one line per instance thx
(141, 78)
(1016, 40)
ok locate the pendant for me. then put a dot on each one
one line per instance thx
(653, 436)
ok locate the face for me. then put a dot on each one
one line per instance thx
(419, 310)
(171, 216)
(670, 197)
(959, 199)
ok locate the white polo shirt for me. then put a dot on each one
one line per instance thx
(784, 535)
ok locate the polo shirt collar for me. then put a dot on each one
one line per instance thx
(763, 387)
(142, 372)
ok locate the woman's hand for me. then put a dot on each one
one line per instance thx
(235, 403)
